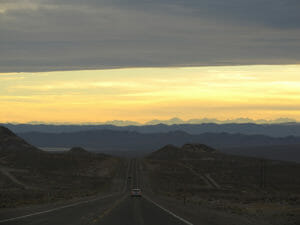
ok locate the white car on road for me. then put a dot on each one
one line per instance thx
(136, 192)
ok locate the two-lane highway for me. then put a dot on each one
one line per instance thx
(139, 211)
(114, 209)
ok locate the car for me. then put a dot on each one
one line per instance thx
(136, 192)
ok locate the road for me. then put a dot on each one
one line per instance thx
(114, 209)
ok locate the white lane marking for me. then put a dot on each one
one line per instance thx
(55, 209)
(67, 206)
(168, 211)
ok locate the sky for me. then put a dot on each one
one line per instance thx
(98, 60)
(142, 94)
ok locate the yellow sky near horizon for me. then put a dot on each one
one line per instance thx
(142, 94)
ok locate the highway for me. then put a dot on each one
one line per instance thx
(113, 209)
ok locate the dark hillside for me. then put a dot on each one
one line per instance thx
(198, 175)
(187, 151)
(30, 175)
(9, 142)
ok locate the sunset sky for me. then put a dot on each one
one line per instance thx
(141, 94)
(92, 61)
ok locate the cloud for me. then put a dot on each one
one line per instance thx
(41, 35)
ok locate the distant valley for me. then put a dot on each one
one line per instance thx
(112, 141)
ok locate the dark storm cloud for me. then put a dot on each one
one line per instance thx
(275, 13)
(39, 35)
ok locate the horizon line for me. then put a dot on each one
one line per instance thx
(171, 121)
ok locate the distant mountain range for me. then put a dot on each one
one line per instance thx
(110, 141)
(272, 130)
(133, 143)
(175, 120)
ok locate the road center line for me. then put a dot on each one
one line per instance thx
(168, 211)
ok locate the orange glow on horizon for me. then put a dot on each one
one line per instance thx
(143, 94)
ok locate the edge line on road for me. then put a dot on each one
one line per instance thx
(55, 209)
(70, 205)
(168, 211)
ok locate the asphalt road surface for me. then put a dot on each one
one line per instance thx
(115, 209)
(139, 211)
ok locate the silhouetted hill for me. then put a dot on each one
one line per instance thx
(166, 152)
(273, 130)
(197, 148)
(187, 151)
(11, 143)
(78, 150)
(16, 152)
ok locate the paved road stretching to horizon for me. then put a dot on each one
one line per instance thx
(115, 209)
